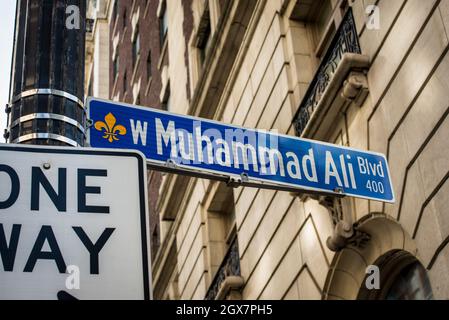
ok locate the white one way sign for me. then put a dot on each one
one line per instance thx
(73, 221)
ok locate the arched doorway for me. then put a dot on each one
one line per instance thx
(392, 250)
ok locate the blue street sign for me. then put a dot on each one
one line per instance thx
(240, 156)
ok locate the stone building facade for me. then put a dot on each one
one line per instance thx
(372, 78)
(369, 74)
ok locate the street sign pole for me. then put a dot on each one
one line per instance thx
(47, 74)
(239, 156)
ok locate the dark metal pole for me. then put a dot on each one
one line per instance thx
(47, 77)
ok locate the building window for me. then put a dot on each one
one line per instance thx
(115, 11)
(149, 71)
(124, 18)
(115, 66)
(163, 23)
(412, 283)
(336, 42)
(222, 240)
(136, 46)
(204, 34)
(402, 277)
(166, 103)
(125, 83)
(322, 29)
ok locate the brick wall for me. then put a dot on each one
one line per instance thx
(149, 89)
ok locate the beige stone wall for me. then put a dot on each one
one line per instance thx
(176, 49)
(97, 51)
(101, 58)
(406, 119)
(282, 238)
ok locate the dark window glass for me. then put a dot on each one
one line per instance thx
(412, 283)
(115, 10)
(163, 25)
(136, 46)
(204, 35)
(149, 71)
(400, 277)
(125, 83)
(205, 44)
(124, 19)
(166, 102)
(115, 67)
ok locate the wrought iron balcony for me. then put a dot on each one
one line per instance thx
(345, 41)
(229, 267)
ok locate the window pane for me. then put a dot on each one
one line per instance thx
(322, 20)
(167, 103)
(163, 26)
(149, 65)
(136, 47)
(165, 22)
(125, 83)
(411, 284)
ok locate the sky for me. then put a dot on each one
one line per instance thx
(8, 10)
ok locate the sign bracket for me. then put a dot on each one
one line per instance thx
(235, 181)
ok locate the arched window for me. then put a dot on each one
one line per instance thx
(411, 283)
(402, 277)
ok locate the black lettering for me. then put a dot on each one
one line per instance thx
(8, 253)
(15, 186)
(94, 249)
(83, 190)
(46, 233)
(59, 199)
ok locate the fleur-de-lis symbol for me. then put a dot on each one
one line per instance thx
(110, 129)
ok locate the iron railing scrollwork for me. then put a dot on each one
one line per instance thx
(345, 41)
(229, 267)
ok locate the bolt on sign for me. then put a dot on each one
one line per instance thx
(64, 210)
(240, 156)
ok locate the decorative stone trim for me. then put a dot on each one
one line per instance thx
(349, 83)
(348, 269)
(230, 288)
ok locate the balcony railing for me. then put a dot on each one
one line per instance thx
(229, 267)
(345, 41)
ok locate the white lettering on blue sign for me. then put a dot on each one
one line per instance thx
(212, 148)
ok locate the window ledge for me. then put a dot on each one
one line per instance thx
(169, 201)
(348, 83)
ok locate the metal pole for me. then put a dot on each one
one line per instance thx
(47, 77)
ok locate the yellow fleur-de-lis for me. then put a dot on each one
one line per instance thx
(111, 130)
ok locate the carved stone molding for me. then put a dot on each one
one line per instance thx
(355, 88)
(230, 288)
